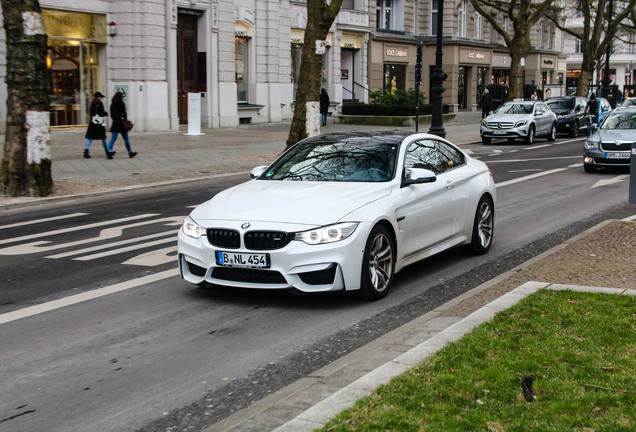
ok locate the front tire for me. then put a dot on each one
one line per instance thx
(485, 140)
(553, 132)
(530, 137)
(574, 132)
(483, 227)
(378, 264)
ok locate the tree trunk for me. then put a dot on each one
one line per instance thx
(515, 91)
(320, 16)
(587, 72)
(26, 165)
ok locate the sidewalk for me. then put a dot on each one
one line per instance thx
(169, 157)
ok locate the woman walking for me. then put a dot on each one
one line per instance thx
(96, 124)
(118, 114)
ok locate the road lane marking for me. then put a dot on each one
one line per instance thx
(76, 228)
(529, 177)
(172, 239)
(112, 245)
(607, 182)
(37, 221)
(105, 234)
(90, 295)
(155, 257)
(537, 147)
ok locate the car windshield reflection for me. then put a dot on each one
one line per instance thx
(514, 108)
(347, 161)
(620, 121)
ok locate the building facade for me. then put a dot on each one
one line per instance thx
(243, 57)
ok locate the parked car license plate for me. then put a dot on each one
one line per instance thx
(238, 259)
(617, 155)
(499, 132)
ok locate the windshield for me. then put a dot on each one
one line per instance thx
(629, 102)
(347, 161)
(620, 121)
(561, 104)
(514, 108)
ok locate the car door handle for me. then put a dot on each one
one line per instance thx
(450, 184)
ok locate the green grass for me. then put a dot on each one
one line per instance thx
(579, 347)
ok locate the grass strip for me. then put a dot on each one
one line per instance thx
(576, 352)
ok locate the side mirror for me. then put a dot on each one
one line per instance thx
(591, 129)
(418, 176)
(256, 172)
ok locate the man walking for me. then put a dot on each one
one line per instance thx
(486, 104)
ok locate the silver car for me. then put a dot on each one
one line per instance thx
(610, 144)
(524, 119)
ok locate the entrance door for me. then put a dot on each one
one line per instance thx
(187, 62)
(461, 88)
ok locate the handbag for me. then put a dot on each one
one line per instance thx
(128, 125)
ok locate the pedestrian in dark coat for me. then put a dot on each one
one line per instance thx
(486, 104)
(118, 114)
(324, 106)
(96, 124)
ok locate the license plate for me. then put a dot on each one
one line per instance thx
(499, 132)
(617, 155)
(239, 259)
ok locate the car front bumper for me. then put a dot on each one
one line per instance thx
(519, 132)
(599, 157)
(307, 268)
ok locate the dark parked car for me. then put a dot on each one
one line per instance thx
(570, 111)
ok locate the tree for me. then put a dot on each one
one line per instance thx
(523, 14)
(595, 36)
(320, 16)
(26, 165)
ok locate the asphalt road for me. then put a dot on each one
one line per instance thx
(147, 351)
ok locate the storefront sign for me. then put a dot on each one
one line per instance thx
(75, 25)
(397, 52)
(468, 55)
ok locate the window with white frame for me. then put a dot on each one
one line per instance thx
(478, 26)
(577, 46)
(540, 44)
(461, 20)
(384, 14)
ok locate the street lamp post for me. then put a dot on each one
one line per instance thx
(606, 80)
(437, 79)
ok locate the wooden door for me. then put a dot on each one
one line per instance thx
(187, 62)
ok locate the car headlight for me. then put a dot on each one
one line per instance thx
(592, 144)
(521, 123)
(192, 229)
(327, 234)
(484, 123)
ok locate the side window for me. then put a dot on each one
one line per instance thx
(433, 155)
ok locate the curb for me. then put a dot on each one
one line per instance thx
(434, 329)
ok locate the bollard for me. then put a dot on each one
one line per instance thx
(632, 175)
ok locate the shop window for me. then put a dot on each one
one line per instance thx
(394, 77)
(72, 68)
(242, 68)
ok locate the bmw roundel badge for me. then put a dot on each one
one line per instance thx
(245, 225)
